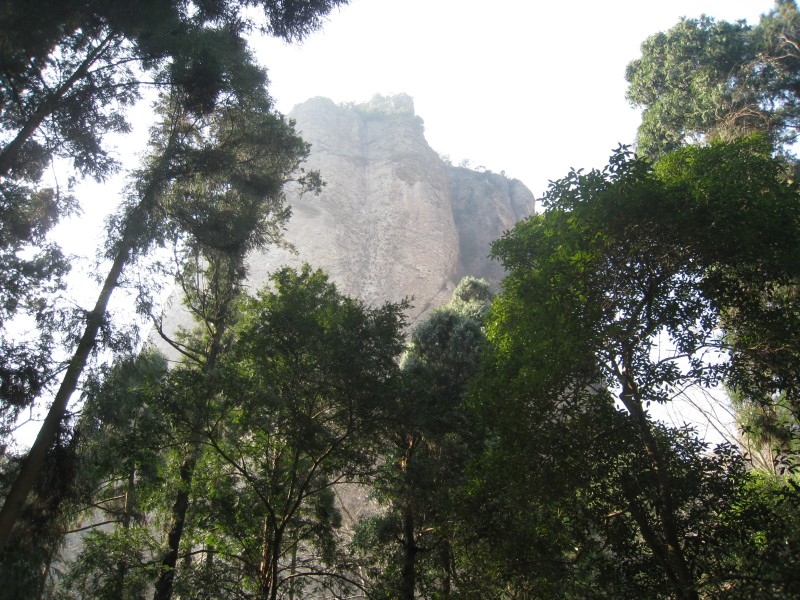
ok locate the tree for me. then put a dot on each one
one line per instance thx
(212, 284)
(70, 70)
(295, 406)
(129, 557)
(207, 178)
(704, 78)
(621, 286)
(211, 277)
(429, 442)
(120, 439)
(80, 58)
(61, 82)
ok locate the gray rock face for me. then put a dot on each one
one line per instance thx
(394, 220)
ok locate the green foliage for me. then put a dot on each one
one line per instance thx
(472, 298)
(71, 70)
(385, 107)
(298, 400)
(120, 438)
(770, 425)
(764, 525)
(410, 548)
(27, 563)
(112, 565)
(704, 78)
(621, 287)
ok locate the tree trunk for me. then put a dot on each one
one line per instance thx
(447, 565)
(669, 546)
(32, 465)
(166, 576)
(130, 498)
(293, 572)
(33, 462)
(408, 573)
(270, 555)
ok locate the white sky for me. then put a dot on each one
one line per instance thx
(532, 88)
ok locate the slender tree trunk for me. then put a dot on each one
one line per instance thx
(670, 548)
(293, 572)
(32, 465)
(274, 563)
(270, 555)
(33, 462)
(447, 563)
(130, 498)
(166, 576)
(408, 573)
(263, 568)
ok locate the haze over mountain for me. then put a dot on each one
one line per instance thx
(395, 219)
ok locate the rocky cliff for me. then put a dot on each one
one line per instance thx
(394, 219)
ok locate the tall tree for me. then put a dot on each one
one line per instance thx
(65, 83)
(428, 445)
(307, 384)
(706, 78)
(214, 180)
(622, 285)
(69, 72)
(120, 439)
(212, 284)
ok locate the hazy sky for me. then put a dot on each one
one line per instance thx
(528, 87)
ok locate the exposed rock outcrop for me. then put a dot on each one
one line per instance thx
(394, 220)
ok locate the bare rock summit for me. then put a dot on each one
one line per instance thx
(394, 220)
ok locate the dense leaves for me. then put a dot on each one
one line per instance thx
(619, 288)
(411, 546)
(69, 72)
(706, 78)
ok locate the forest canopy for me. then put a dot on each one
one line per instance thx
(301, 444)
